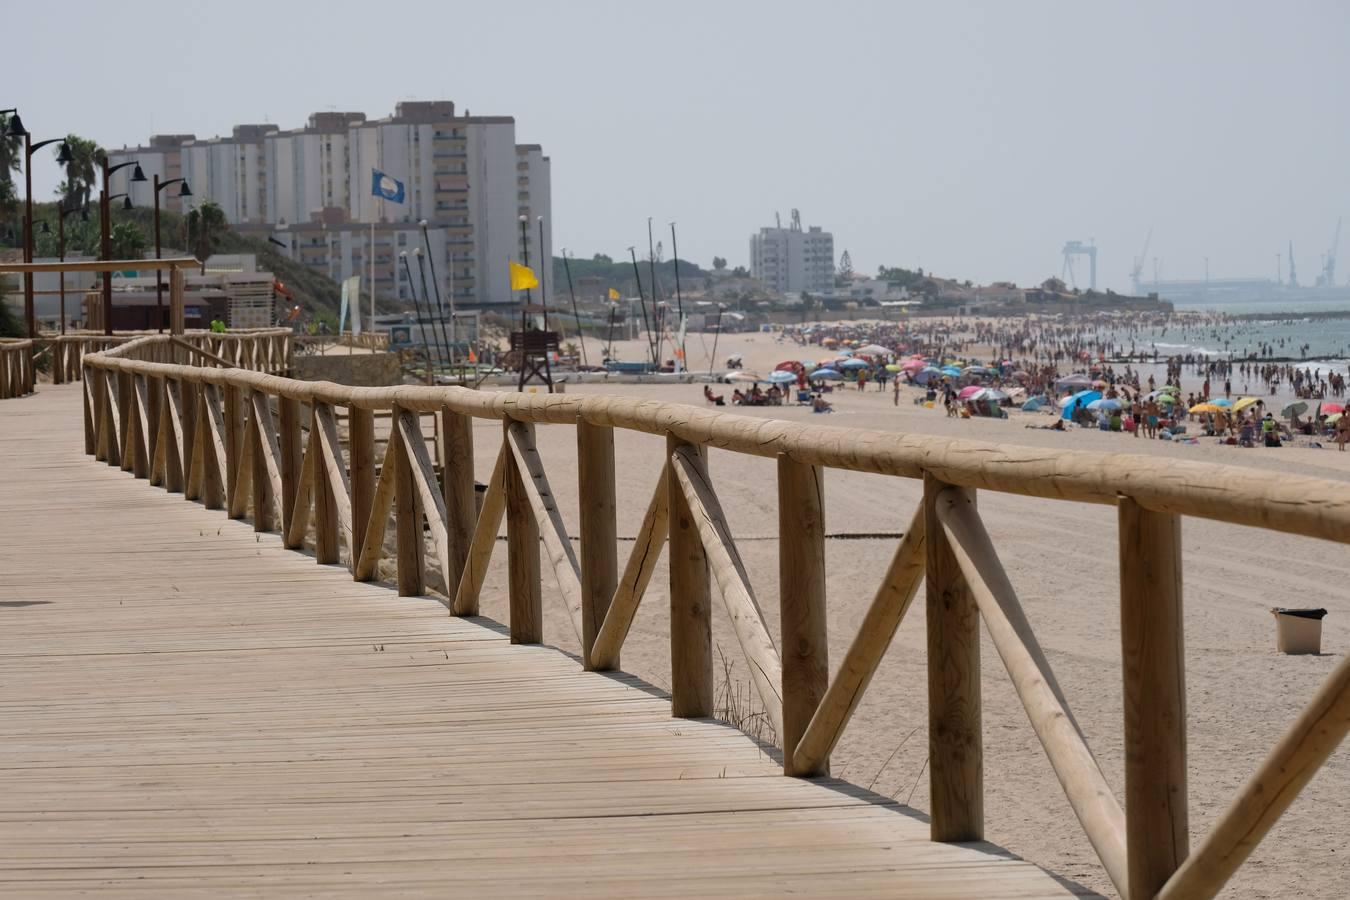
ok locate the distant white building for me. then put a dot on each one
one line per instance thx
(790, 260)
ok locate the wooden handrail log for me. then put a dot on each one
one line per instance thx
(1302, 750)
(1090, 796)
(747, 620)
(484, 540)
(102, 265)
(898, 587)
(1313, 507)
(424, 479)
(562, 559)
(637, 573)
(200, 352)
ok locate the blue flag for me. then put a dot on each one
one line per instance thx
(381, 185)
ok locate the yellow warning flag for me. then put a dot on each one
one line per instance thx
(522, 277)
(613, 294)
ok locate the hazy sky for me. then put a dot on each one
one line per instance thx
(970, 139)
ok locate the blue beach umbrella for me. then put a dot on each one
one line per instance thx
(825, 375)
(782, 376)
(1107, 403)
(1221, 401)
(953, 371)
(1067, 404)
(854, 364)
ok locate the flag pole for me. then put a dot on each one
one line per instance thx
(581, 336)
(642, 302)
(679, 299)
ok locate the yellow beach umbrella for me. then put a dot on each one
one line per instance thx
(1244, 402)
(1207, 408)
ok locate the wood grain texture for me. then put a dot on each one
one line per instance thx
(955, 742)
(637, 574)
(484, 539)
(457, 485)
(522, 553)
(1089, 795)
(801, 592)
(691, 672)
(598, 505)
(890, 603)
(407, 520)
(1153, 662)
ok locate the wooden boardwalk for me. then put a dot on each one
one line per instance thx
(187, 709)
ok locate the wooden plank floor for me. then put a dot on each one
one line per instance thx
(187, 709)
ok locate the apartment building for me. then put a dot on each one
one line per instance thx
(232, 172)
(309, 189)
(790, 260)
(533, 200)
(307, 168)
(163, 156)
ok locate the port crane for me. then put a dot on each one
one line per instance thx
(1078, 248)
(1138, 269)
(1328, 276)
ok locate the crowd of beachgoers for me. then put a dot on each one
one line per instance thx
(1085, 373)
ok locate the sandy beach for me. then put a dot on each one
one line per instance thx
(1062, 558)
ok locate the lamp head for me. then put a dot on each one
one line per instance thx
(524, 219)
(184, 190)
(403, 253)
(15, 127)
(137, 175)
(44, 228)
(64, 156)
(423, 223)
(126, 202)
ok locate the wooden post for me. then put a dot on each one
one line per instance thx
(691, 671)
(407, 518)
(177, 319)
(522, 554)
(801, 589)
(187, 406)
(292, 456)
(361, 464)
(263, 503)
(90, 391)
(955, 746)
(599, 531)
(233, 414)
(457, 484)
(1153, 656)
(326, 541)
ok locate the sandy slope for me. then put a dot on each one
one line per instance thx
(1063, 559)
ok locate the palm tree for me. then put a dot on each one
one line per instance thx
(86, 157)
(205, 224)
(127, 241)
(11, 154)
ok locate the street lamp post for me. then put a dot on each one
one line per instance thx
(105, 222)
(183, 191)
(14, 129)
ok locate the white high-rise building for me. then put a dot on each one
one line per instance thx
(790, 260)
(163, 157)
(309, 190)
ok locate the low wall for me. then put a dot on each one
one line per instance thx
(356, 370)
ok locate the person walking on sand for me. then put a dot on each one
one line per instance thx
(1342, 431)
(895, 391)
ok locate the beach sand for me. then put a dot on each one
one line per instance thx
(1062, 558)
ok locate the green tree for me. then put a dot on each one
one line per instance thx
(741, 272)
(845, 274)
(127, 241)
(719, 263)
(86, 159)
(11, 162)
(205, 226)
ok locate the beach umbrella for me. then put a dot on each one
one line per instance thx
(1334, 418)
(991, 394)
(744, 376)
(952, 371)
(1033, 404)
(787, 364)
(825, 375)
(782, 376)
(855, 364)
(1165, 399)
(1207, 408)
(892, 367)
(912, 365)
(1020, 374)
(829, 342)
(1106, 403)
(1075, 380)
(1221, 401)
(1330, 408)
(1297, 408)
(1085, 397)
(874, 350)
(927, 375)
(967, 392)
(827, 361)
(1245, 402)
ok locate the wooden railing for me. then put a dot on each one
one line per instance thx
(248, 441)
(17, 376)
